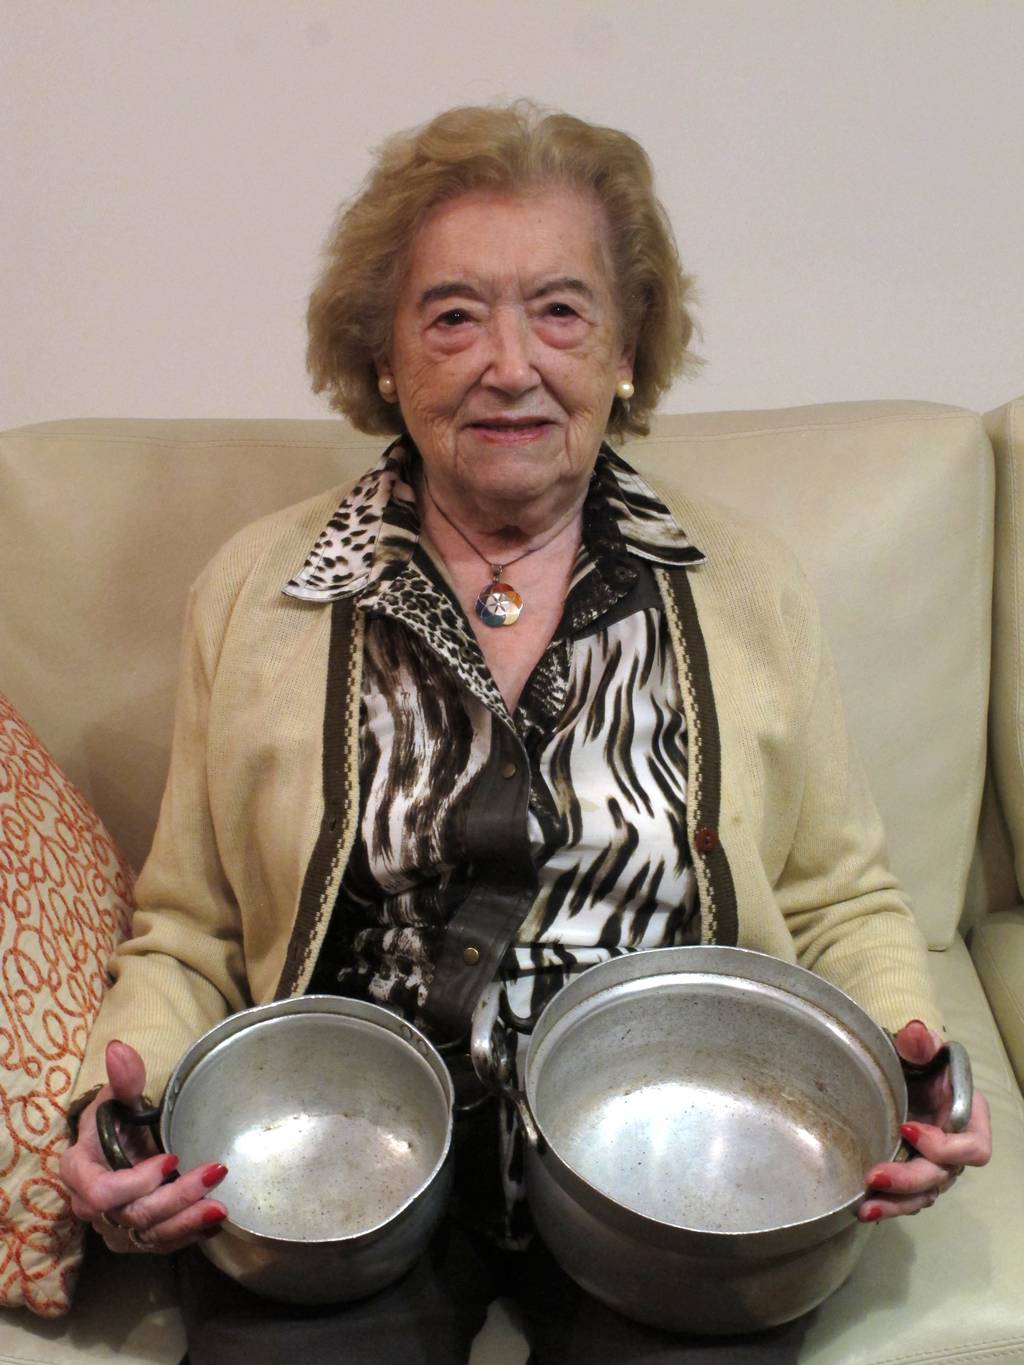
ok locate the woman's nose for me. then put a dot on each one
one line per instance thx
(510, 365)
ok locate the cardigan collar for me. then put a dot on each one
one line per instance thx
(372, 534)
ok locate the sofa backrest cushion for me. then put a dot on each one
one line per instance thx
(103, 526)
(889, 509)
(888, 505)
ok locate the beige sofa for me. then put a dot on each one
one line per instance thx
(899, 512)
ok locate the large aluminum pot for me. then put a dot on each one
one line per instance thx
(334, 1118)
(699, 1123)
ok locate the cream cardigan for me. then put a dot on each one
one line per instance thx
(260, 808)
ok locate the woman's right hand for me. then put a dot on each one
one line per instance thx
(136, 1210)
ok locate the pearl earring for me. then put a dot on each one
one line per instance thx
(387, 387)
(624, 390)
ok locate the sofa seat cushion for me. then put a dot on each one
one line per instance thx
(65, 900)
(944, 1286)
(124, 1311)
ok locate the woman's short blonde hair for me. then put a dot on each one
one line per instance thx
(514, 147)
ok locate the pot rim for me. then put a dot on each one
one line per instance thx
(348, 1008)
(713, 960)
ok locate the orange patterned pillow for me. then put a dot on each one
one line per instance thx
(65, 900)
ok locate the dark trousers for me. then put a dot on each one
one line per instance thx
(432, 1315)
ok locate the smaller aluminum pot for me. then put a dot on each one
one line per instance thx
(699, 1122)
(334, 1118)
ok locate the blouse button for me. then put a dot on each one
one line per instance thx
(706, 839)
(508, 770)
(471, 956)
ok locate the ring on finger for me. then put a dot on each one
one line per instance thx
(138, 1241)
(104, 1223)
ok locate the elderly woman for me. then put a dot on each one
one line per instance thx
(501, 709)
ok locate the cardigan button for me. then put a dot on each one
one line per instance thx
(706, 839)
(471, 956)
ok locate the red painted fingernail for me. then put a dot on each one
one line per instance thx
(880, 1181)
(214, 1214)
(910, 1131)
(213, 1175)
(169, 1165)
(873, 1214)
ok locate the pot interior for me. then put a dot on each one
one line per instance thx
(712, 1102)
(328, 1125)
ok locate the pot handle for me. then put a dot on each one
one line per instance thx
(488, 1047)
(107, 1116)
(955, 1057)
(962, 1081)
(488, 1043)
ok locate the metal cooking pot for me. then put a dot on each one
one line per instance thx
(698, 1125)
(334, 1118)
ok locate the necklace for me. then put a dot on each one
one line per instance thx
(497, 603)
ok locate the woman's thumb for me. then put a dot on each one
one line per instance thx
(126, 1072)
(916, 1043)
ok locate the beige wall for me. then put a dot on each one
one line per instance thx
(846, 178)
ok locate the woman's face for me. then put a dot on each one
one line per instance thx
(506, 351)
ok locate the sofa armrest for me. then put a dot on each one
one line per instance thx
(997, 947)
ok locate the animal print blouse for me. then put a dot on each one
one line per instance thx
(580, 795)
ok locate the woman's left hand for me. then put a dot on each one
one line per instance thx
(896, 1187)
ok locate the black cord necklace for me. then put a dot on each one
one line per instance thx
(497, 603)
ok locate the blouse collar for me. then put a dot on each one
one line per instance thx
(373, 532)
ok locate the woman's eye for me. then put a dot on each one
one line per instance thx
(561, 310)
(453, 318)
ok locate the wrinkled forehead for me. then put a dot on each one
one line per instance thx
(500, 240)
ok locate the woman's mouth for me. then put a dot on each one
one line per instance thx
(519, 431)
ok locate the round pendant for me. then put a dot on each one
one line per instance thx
(499, 605)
